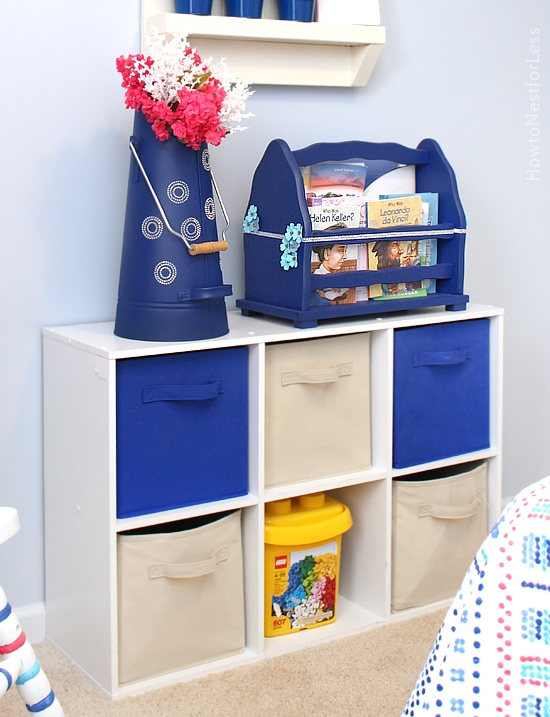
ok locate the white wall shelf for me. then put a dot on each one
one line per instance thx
(80, 419)
(275, 52)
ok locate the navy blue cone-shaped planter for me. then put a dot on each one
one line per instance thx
(165, 293)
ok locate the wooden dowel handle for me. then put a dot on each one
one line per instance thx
(207, 247)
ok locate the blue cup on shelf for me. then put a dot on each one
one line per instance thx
(193, 7)
(244, 8)
(301, 10)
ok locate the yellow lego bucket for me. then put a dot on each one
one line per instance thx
(302, 561)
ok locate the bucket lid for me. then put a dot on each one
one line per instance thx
(307, 519)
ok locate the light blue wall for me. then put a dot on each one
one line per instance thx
(455, 71)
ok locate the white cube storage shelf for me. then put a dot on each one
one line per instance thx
(82, 528)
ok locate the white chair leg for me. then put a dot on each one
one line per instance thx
(19, 663)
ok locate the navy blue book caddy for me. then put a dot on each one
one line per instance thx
(278, 235)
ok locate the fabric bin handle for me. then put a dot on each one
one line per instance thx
(189, 570)
(322, 375)
(192, 392)
(442, 358)
(450, 512)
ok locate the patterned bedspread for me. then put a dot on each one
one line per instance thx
(492, 654)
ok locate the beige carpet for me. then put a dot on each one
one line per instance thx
(367, 675)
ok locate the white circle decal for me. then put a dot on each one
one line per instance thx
(152, 227)
(191, 229)
(209, 208)
(165, 272)
(178, 192)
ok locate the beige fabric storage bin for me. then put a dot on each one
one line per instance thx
(180, 596)
(438, 525)
(317, 408)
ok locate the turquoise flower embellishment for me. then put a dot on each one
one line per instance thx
(290, 245)
(294, 232)
(289, 261)
(251, 222)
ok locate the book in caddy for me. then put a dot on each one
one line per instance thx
(279, 198)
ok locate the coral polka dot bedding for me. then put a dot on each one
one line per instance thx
(492, 653)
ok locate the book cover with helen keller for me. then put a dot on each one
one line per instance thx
(331, 218)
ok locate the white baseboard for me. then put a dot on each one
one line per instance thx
(33, 621)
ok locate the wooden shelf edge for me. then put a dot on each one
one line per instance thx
(277, 31)
(280, 52)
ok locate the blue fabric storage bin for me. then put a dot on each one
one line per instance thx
(441, 391)
(182, 430)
